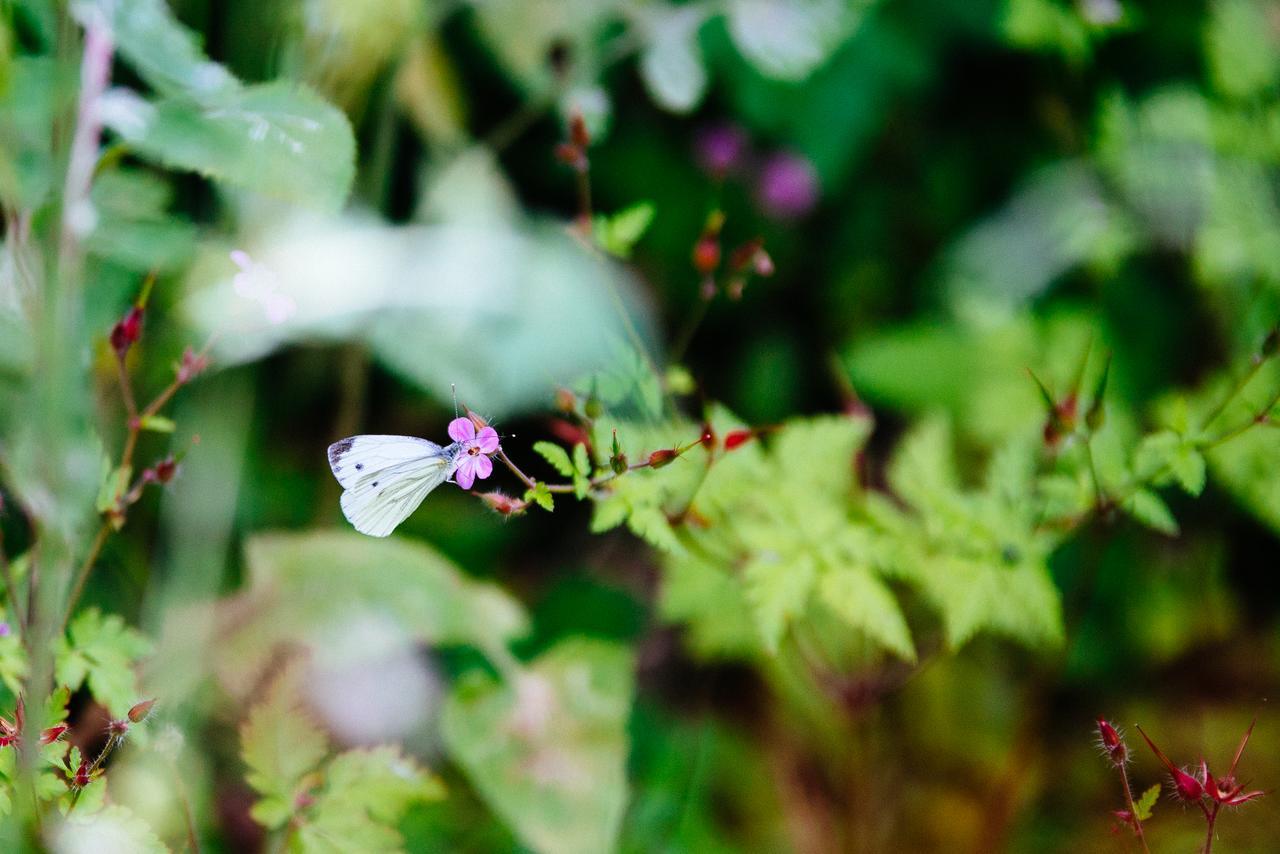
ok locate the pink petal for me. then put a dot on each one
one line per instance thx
(488, 440)
(462, 430)
(483, 467)
(241, 259)
(465, 475)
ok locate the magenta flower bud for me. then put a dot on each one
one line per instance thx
(788, 186)
(720, 149)
(127, 331)
(1112, 744)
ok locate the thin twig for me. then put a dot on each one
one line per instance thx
(126, 387)
(99, 540)
(1133, 809)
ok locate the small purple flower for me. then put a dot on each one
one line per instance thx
(788, 187)
(473, 460)
(720, 149)
(4, 630)
(258, 284)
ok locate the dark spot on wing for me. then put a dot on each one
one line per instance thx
(359, 466)
(375, 483)
(337, 450)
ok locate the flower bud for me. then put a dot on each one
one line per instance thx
(139, 712)
(192, 365)
(118, 727)
(127, 331)
(593, 408)
(737, 438)
(164, 471)
(662, 457)
(82, 776)
(572, 156)
(53, 733)
(1112, 744)
(566, 401)
(708, 438)
(578, 134)
(503, 504)
(706, 255)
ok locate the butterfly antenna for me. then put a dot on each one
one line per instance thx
(454, 389)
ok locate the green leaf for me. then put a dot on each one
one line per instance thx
(134, 229)
(619, 233)
(113, 828)
(289, 598)
(556, 456)
(163, 52)
(1188, 466)
(158, 424)
(281, 746)
(1241, 48)
(779, 593)
(1149, 509)
(549, 752)
(581, 459)
(1144, 804)
(542, 496)
(13, 663)
(114, 485)
(865, 603)
(278, 139)
(101, 651)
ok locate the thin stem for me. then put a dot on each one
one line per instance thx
(193, 838)
(113, 741)
(692, 321)
(524, 478)
(1255, 365)
(1210, 818)
(126, 387)
(584, 198)
(82, 576)
(95, 74)
(1133, 809)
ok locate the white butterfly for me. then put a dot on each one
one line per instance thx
(385, 478)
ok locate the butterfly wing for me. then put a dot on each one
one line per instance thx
(385, 478)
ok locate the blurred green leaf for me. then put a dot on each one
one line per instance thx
(281, 746)
(548, 750)
(1149, 509)
(113, 828)
(557, 456)
(671, 63)
(619, 233)
(278, 139)
(1242, 47)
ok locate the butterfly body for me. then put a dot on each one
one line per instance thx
(385, 478)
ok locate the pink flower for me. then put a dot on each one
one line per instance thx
(788, 187)
(473, 459)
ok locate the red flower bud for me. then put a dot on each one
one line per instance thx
(706, 254)
(708, 438)
(117, 727)
(52, 734)
(1112, 744)
(139, 712)
(503, 504)
(164, 471)
(737, 438)
(660, 458)
(82, 776)
(1185, 786)
(762, 263)
(127, 331)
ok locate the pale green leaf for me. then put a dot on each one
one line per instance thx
(556, 456)
(281, 746)
(1242, 48)
(789, 39)
(101, 651)
(1150, 509)
(779, 594)
(618, 234)
(1147, 802)
(865, 603)
(278, 139)
(671, 63)
(114, 828)
(549, 753)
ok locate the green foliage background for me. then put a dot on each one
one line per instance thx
(885, 623)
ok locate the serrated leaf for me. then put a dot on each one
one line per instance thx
(281, 746)
(113, 828)
(1144, 805)
(101, 651)
(1149, 509)
(278, 139)
(618, 234)
(549, 753)
(1188, 466)
(778, 593)
(556, 456)
(581, 459)
(865, 603)
(542, 496)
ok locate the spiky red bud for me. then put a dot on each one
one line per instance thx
(737, 438)
(662, 457)
(139, 712)
(503, 504)
(53, 733)
(1112, 743)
